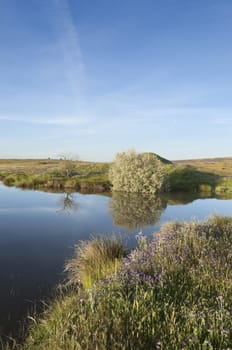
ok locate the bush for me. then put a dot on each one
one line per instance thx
(137, 172)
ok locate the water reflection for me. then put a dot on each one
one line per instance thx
(37, 237)
(178, 198)
(132, 210)
(67, 204)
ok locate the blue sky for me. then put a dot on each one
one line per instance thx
(93, 78)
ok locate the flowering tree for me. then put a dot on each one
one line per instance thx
(137, 172)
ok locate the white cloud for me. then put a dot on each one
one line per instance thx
(62, 120)
(69, 44)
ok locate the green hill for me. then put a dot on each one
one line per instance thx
(163, 160)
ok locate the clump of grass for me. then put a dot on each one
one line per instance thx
(220, 220)
(224, 185)
(205, 188)
(94, 259)
(8, 180)
(8, 344)
(172, 292)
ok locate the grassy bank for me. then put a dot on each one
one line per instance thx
(211, 176)
(189, 179)
(52, 174)
(172, 292)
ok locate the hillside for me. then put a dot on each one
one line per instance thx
(163, 160)
(217, 166)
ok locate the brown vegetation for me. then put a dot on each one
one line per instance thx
(216, 166)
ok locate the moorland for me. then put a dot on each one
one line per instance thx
(213, 175)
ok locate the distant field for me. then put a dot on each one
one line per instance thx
(55, 174)
(40, 166)
(216, 166)
(194, 175)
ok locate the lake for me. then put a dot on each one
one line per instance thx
(38, 232)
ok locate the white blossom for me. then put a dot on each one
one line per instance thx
(137, 172)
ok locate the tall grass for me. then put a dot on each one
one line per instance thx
(94, 259)
(172, 292)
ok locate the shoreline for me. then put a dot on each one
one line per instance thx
(100, 184)
(213, 176)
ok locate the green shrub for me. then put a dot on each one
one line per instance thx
(205, 188)
(224, 185)
(9, 180)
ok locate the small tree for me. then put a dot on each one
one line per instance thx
(137, 172)
(68, 163)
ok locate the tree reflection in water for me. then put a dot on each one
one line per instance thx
(67, 204)
(133, 210)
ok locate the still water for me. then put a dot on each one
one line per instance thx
(38, 232)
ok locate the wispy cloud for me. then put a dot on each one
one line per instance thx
(43, 120)
(68, 41)
(223, 121)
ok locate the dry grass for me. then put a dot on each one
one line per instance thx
(94, 260)
(39, 166)
(216, 166)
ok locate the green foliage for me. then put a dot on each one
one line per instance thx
(173, 292)
(189, 179)
(205, 188)
(57, 181)
(137, 172)
(224, 185)
(55, 174)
